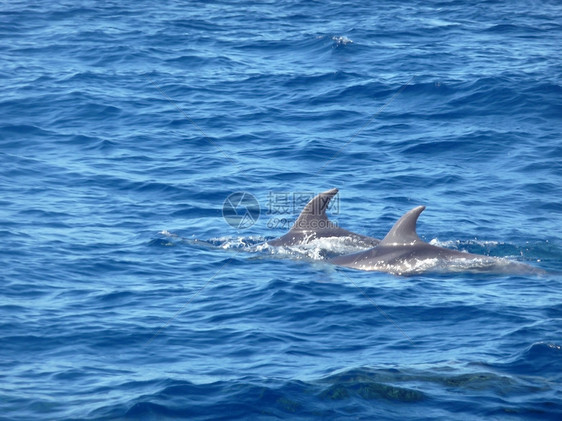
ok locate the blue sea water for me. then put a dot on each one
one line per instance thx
(124, 127)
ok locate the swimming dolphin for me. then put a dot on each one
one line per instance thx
(402, 252)
(313, 223)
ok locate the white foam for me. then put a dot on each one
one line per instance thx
(342, 40)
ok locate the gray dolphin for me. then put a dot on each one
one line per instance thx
(313, 223)
(402, 252)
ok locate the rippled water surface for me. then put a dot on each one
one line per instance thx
(124, 127)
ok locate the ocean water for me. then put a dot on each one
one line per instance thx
(125, 126)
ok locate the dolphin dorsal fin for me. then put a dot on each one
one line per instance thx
(404, 231)
(315, 211)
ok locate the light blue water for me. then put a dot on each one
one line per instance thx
(126, 295)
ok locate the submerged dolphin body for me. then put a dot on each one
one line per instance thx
(402, 252)
(313, 223)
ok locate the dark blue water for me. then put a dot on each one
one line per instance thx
(125, 125)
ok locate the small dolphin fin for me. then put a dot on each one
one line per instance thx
(315, 211)
(404, 231)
